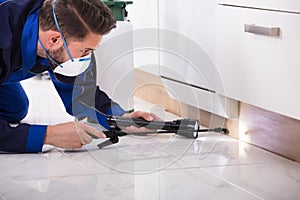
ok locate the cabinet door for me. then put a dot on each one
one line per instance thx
(187, 51)
(257, 69)
(187, 54)
(143, 14)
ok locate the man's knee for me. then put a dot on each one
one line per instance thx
(21, 110)
(18, 112)
(13, 103)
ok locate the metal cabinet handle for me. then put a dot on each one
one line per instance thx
(261, 30)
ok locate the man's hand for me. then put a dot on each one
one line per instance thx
(71, 135)
(140, 114)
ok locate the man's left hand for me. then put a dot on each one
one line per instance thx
(139, 114)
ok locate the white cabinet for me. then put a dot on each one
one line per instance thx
(187, 54)
(143, 14)
(258, 69)
(194, 19)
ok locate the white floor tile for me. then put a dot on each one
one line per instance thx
(61, 188)
(217, 150)
(35, 166)
(177, 184)
(130, 155)
(270, 181)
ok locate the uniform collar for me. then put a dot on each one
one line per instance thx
(29, 41)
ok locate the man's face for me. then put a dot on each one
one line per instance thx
(57, 55)
(77, 49)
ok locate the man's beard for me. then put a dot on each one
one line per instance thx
(57, 56)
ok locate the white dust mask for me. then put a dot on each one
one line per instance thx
(75, 67)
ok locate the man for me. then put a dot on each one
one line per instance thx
(57, 36)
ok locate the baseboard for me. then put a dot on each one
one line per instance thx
(268, 130)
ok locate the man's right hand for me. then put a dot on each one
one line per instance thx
(71, 135)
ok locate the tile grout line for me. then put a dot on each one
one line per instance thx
(233, 184)
(70, 176)
(78, 163)
(192, 166)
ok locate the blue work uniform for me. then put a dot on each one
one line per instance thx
(19, 61)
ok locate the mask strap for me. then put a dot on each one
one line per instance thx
(59, 30)
(48, 54)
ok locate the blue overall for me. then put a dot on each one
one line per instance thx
(18, 61)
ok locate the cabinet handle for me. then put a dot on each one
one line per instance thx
(261, 30)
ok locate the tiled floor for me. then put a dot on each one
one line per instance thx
(154, 167)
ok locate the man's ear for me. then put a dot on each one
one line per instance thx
(54, 40)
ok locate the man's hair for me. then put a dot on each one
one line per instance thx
(77, 18)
